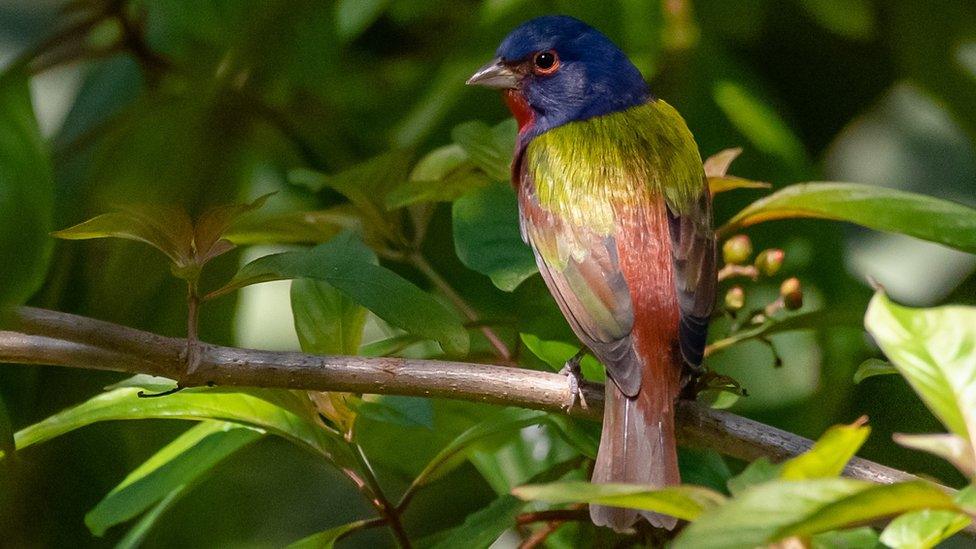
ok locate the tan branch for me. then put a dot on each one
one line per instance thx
(38, 336)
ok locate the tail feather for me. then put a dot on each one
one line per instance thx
(637, 446)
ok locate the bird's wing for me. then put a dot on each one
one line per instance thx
(582, 269)
(693, 256)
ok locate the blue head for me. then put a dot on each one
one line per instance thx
(557, 69)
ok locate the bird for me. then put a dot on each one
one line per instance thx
(614, 203)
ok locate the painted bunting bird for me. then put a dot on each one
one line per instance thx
(614, 202)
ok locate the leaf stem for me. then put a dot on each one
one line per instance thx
(421, 263)
(379, 500)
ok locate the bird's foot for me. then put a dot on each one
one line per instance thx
(574, 376)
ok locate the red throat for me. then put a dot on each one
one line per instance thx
(520, 108)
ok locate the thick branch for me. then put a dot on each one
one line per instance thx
(38, 336)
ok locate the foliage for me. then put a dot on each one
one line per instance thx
(336, 148)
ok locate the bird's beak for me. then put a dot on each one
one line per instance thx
(496, 75)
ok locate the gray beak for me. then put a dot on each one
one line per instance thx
(494, 75)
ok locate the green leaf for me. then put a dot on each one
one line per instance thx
(176, 466)
(294, 227)
(503, 422)
(481, 528)
(350, 267)
(399, 410)
(952, 448)
(878, 208)
(849, 18)
(873, 367)
(489, 148)
(355, 16)
(26, 194)
(684, 502)
(557, 353)
(727, 183)
(187, 243)
(774, 510)
(443, 175)
(194, 404)
(365, 185)
(829, 454)
(760, 124)
(327, 321)
(485, 526)
(166, 227)
(487, 239)
(758, 472)
(703, 467)
(134, 537)
(874, 502)
(923, 529)
(935, 349)
(328, 538)
(855, 538)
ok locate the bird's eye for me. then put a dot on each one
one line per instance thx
(545, 62)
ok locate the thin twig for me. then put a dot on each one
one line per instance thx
(39, 336)
(389, 513)
(421, 263)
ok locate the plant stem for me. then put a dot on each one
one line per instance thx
(421, 263)
(42, 337)
(379, 500)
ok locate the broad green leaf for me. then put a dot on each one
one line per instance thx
(449, 189)
(935, 349)
(327, 321)
(873, 367)
(166, 227)
(399, 410)
(760, 124)
(312, 227)
(727, 183)
(557, 353)
(134, 537)
(26, 194)
(188, 243)
(849, 18)
(582, 435)
(176, 466)
(870, 504)
(829, 454)
(855, 538)
(503, 422)
(328, 538)
(684, 502)
(758, 472)
(443, 175)
(365, 185)
(878, 208)
(923, 529)
(350, 267)
(487, 239)
(704, 467)
(481, 528)
(779, 509)
(952, 448)
(490, 148)
(192, 404)
(355, 16)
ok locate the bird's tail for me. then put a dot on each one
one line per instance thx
(637, 447)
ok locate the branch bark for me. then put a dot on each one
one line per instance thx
(39, 336)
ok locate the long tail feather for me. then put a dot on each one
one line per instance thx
(637, 447)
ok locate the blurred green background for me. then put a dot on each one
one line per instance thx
(222, 98)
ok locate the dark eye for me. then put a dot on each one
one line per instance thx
(545, 62)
